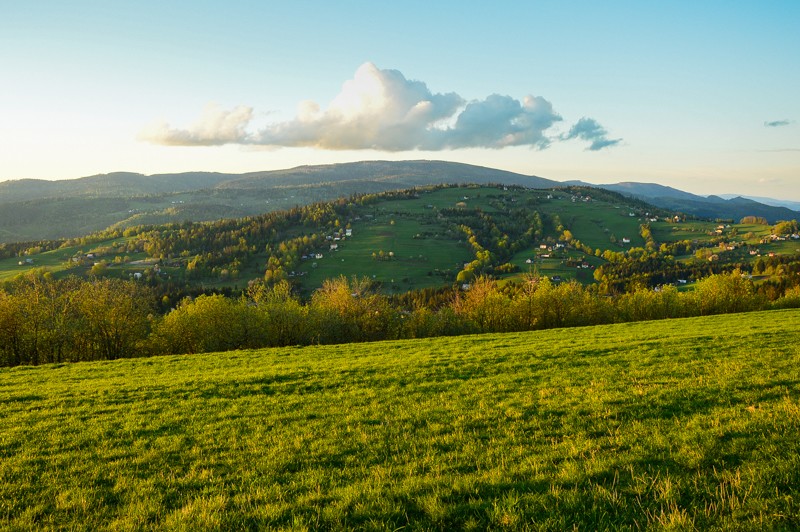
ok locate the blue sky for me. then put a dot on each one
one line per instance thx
(702, 96)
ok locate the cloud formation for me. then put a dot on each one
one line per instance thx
(590, 130)
(778, 123)
(382, 110)
(215, 127)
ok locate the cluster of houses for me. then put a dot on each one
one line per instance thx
(333, 245)
(577, 197)
(779, 238)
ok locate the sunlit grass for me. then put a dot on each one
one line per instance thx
(679, 424)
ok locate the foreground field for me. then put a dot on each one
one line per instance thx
(683, 424)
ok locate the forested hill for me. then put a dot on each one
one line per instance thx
(403, 174)
(32, 210)
(38, 209)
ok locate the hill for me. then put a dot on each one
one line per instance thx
(424, 238)
(37, 209)
(712, 207)
(690, 424)
(33, 210)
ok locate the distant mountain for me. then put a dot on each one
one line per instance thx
(404, 174)
(793, 205)
(117, 184)
(32, 209)
(735, 207)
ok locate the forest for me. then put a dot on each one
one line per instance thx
(45, 320)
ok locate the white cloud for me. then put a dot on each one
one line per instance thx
(214, 128)
(382, 110)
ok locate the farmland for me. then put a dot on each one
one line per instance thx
(691, 423)
(416, 239)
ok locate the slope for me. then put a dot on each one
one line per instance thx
(691, 423)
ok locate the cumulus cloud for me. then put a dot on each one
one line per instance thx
(382, 110)
(214, 128)
(590, 130)
(778, 123)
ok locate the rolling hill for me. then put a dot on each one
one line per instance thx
(32, 210)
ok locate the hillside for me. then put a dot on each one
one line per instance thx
(33, 210)
(414, 239)
(687, 424)
(423, 238)
(712, 207)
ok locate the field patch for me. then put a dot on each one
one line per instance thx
(690, 423)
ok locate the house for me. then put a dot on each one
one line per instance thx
(334, 247)
(626, 240)
(137, 275)
(528, 261)
(542, 246)
(318, 256)
(348, 232)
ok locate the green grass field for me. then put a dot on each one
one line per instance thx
(419, 250)
(678, 424)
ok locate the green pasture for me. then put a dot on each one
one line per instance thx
(595, 222)
(449, 198)
(419, 249)
(555, 264)
(58, 260)
(679, 424)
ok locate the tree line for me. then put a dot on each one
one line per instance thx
(45, 320)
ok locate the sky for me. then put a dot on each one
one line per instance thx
(700, 96)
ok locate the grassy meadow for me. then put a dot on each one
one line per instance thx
(676, 424)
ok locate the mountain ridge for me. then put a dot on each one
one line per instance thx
(35, 209)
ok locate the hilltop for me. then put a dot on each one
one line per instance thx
(37, 209)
